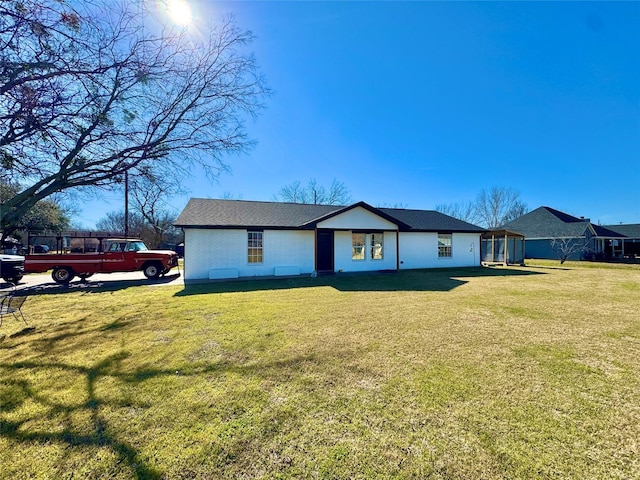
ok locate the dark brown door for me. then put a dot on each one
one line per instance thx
(324, 251)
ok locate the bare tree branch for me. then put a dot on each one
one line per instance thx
(564, 246)
(498, 206)
(465, 211)
(86, 95)
(314, 193)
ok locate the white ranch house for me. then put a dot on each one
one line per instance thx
(234, 239)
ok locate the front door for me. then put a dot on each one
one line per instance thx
(324, 251)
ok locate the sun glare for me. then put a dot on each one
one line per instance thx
(179, 11)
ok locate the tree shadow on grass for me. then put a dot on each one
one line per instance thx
(22, 424)
(427, 280)
(16, 392)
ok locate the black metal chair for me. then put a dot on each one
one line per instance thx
(12, 305)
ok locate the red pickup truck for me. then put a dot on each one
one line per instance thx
(119, 255)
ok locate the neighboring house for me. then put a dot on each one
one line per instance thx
(236, 238)
(630, 245)
(547, 231)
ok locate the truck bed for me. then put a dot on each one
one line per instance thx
(80, 262)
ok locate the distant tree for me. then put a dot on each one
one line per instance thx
(113, 222)
(392, 205)
(498, 206)
(87, 94)
(338, 194)
(230, 196)
(150, 192)
(45, 215)
(564, 247)
(465, 211)
(490, 209)
(314, 193)
(293, 193)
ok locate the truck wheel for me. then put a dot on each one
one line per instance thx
(152, 270)
(62, 275)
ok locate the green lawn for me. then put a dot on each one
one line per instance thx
(519, 372)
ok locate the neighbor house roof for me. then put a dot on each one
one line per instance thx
(631, 230)
(546, 222)
(209, 213)
(606, 232)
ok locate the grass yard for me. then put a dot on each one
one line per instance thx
(520, 372)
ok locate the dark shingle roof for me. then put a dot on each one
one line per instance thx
(545, 222)
(202, 212)
(631, 230)
(430, 220)
(208, 213)
(606, 232)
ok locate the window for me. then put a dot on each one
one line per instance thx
(118, 247)
(361, 243)
(376, 241)
(254, 247)
(357, 246)
(444, 245)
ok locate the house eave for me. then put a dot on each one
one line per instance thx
(243, 227)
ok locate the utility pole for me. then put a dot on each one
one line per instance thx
(126, 204)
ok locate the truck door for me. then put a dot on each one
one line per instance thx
(113, 260)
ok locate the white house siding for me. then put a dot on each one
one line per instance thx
(357, 219)
(344, 262)
(420, 250)
(225, 250)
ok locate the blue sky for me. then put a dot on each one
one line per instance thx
(426, 103)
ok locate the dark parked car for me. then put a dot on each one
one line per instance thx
(11, 268)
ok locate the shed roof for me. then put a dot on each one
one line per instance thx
(502, 233)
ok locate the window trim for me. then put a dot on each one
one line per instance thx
(367, 247)
(445, 251)
(252, 258)
(362, 246)
(372, 237)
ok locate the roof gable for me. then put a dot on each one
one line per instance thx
(358, 217)
(367, 207)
